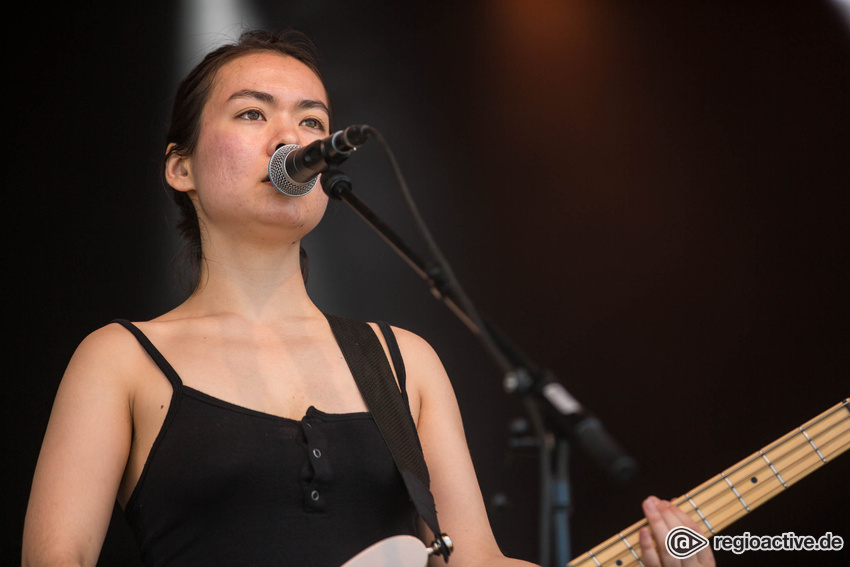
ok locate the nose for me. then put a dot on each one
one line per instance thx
(283, 136)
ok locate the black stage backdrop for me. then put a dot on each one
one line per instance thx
(650, 198)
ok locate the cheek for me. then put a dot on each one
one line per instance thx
(222, 160)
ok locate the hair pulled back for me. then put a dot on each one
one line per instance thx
(184, 128)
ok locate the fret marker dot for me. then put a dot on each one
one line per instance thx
(619, 562)
(754, 480)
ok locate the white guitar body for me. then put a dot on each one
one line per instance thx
(398, 551)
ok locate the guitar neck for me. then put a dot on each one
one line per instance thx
(738, 490)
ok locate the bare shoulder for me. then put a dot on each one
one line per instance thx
(108, 337)
(421, 362)
(427, 384)
(107, 342)
(109, 354)
(417, 352)
(427, 377)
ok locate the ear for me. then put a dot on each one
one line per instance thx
(178, 171)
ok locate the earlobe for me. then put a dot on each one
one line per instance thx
(178, 172)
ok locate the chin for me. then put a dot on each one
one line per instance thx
(293, 218)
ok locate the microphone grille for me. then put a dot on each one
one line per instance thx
(279, 178)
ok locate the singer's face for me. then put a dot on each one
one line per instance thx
(257, 102)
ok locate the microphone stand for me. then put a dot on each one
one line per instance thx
(562, 417)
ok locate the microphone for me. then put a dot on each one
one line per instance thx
(294, 170)
(567, 414)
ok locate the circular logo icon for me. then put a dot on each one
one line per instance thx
(683, 542)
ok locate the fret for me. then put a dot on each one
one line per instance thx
(725, 498)
(714, 500)
(732, 512)
(735, 491)
(773, 469)
(792, 456)
(620, 550)
(812, 444)
(702, 517)
(631, 548)
(795, 462)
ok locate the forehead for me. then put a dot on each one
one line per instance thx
(283, 76)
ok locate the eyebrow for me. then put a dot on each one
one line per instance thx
(303, 104)
(248, 93)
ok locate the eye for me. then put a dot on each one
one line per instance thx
(252, 115)
(314, 123)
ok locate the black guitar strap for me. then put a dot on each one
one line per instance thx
(374, 377)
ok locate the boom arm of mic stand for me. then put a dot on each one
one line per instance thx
(563, 414)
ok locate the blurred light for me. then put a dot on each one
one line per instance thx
(208, 24)
(543, 28)
(844, 8)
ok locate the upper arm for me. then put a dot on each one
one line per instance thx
(82, 457)
(454, 484)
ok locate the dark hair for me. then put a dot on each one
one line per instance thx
(184, 129)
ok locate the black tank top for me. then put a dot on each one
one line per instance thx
(225, 485)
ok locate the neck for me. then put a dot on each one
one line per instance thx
(262, 285)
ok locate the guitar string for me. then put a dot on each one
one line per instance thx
(731, 500)
(735, 500)
(626, 556)
(745, 486)
(630, 547)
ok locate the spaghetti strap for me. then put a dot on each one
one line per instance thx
(395, 355)
(152, 351)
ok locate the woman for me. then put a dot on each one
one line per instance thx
(230, 429)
